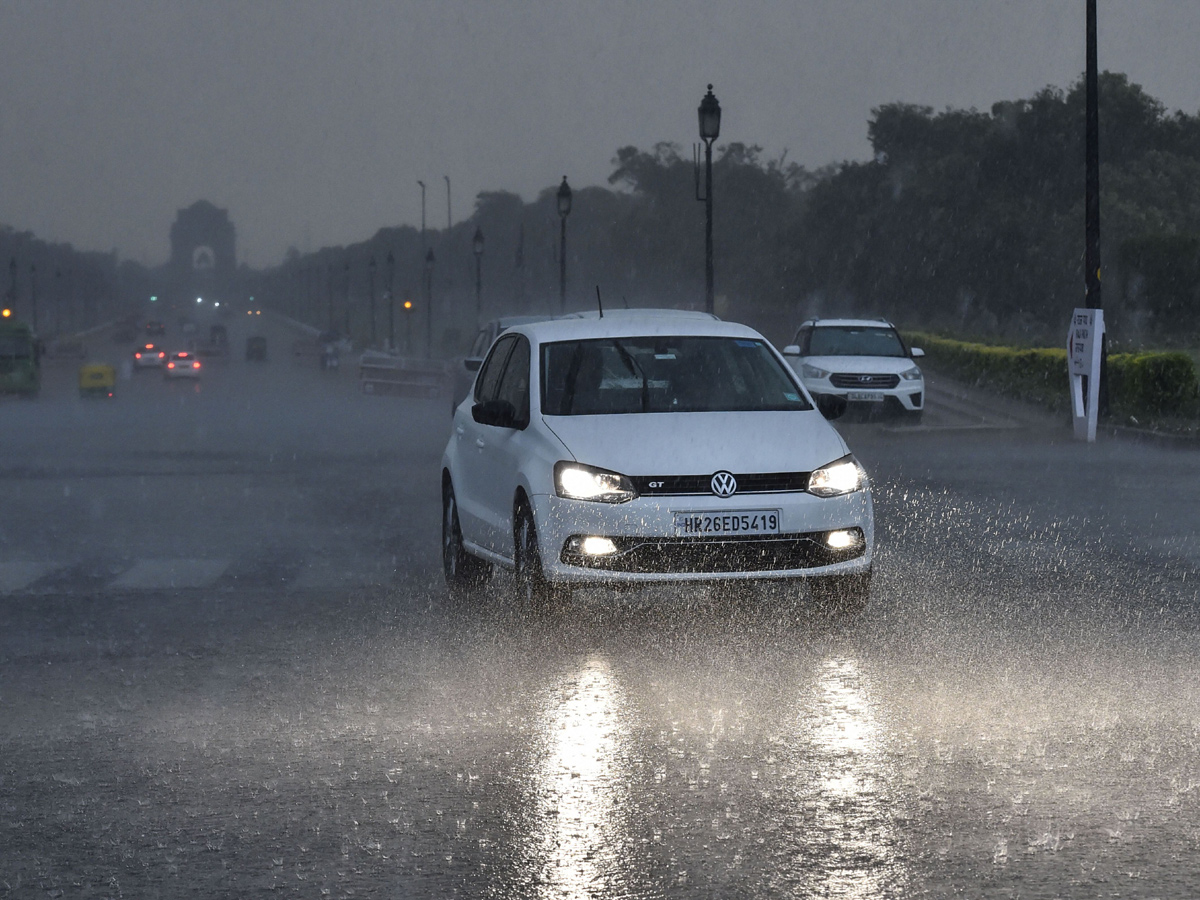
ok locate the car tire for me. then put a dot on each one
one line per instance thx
(533, 592)
(841, 594)
(465, 574)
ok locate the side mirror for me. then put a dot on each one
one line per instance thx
(791, 350)
(916, 353)
(832, 406)
(498, 413)
(472, 363)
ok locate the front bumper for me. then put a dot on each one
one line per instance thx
(649, 550)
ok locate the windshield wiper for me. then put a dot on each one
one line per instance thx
(636, 371)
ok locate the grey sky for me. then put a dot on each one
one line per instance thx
(316, 118)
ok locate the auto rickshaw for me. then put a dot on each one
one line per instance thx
(97, 381)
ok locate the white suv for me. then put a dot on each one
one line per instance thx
(863, 361)
(649, 446)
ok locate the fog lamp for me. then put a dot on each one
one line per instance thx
(841, 539)
(597, 546)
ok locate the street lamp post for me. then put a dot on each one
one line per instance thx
(391, 298)
(448, 219)
(709, 114)
(346, 311)
(428, 272)
(329, 272)
(422, 184)
(407, 324)
(564, 210)
(33, 297)
(12, 284)
(477, 247)
(371, 294)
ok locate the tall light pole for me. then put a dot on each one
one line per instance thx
(33, 297)
(1091, 274)
(391, 299)
(448, 220)
(371, 294)
(12, 284)
(422, 184)
(346, 307)
(428, 273)
(709, 114)
(477, 247)
(329, 272)
(564, 210)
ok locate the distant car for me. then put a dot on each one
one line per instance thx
(863, 361)
(149, 356)
(154, 327)
(256, 349)
(647, 448)
(218, 335)
(465, 367)
(182, 365)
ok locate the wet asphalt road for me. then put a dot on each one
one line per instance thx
(228, 668)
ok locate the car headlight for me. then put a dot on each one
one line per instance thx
(842, 476)
(576, 481)
(913, 374)
(807, 371)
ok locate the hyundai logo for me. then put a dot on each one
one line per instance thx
(724, 484)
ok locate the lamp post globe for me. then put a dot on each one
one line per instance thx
(477, 249)
(564, 210)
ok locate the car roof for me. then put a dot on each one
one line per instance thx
(849, 323)
(634, 323)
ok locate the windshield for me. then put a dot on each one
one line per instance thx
(664, 374)
(854, 340)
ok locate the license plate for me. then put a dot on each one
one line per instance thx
(742, 521)
(865, 396)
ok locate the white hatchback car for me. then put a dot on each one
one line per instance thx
(649, 446)
(182, 365)
(863, 361)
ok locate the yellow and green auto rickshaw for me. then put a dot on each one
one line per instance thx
(97, 381)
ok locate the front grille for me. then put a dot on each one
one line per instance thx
(708, 556)
(753, 483)
(850, 381)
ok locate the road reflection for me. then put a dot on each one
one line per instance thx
(580, 844)
(849, 842)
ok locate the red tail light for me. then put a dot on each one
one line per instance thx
(195, 365)
(162, 356)
(137, 355)
(170, 365)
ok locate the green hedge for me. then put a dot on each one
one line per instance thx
(1139, 384)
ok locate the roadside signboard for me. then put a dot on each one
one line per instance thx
(1084, 343)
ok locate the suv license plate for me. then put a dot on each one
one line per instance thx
(865, 396)
(742, 521)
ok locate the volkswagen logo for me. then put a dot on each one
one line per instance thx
(724, 484)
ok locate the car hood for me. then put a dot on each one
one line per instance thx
(700, 443)
(873, 365)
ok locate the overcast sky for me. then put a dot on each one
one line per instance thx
(312, 121)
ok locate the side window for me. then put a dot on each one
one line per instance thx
(481, 344)
(802, 337)
(493, 367)
(514, 386)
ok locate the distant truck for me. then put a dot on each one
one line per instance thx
(20, 358)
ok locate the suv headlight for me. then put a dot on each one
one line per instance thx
(807, 371)
(913, 374)
(576, 481)
(842, 476)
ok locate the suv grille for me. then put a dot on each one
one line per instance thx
(852, 381)
(756, 483)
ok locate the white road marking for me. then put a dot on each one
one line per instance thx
(148, 574)
(17, 575)
(326, 574)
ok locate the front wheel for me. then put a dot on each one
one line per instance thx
(465, 574)
(533, 592)
(841, 593)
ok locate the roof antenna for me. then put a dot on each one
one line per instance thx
(599, 302)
